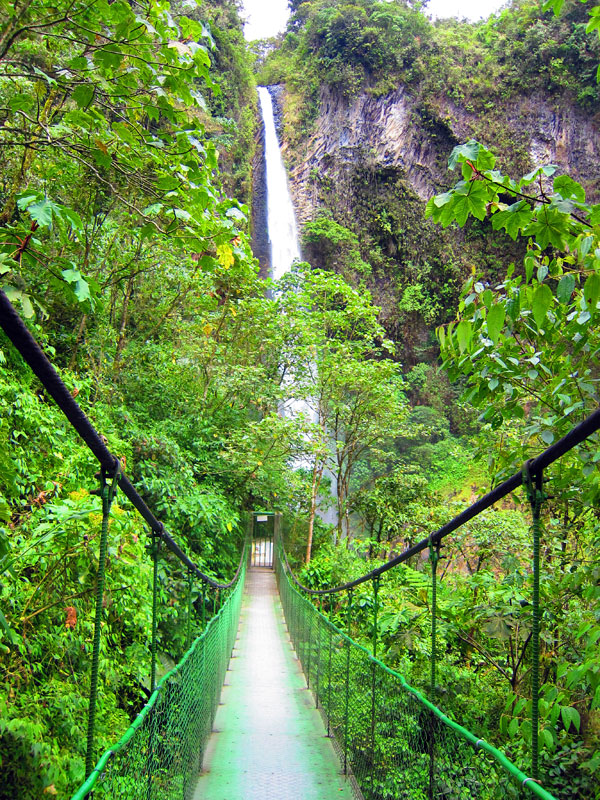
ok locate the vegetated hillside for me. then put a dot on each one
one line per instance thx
(376, 98)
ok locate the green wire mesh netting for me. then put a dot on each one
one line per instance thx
(391, 741)
(160, 755)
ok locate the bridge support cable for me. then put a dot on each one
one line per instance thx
(531, 477)
(20, 336)
(387, 734)
(536, 466)
(160, 755)
(112, 477)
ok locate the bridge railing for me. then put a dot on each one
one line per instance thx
(156, 740)
(393, 743)
(531, 478)
(160, 756)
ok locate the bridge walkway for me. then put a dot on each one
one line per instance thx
(269, 741)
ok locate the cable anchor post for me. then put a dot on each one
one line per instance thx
(154, 550)
(376, 582)
(536, 496)
(190, 609)
(434, 558)
(347, 682)
(107, 491)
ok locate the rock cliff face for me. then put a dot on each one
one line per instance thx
(394, 133)
(373, 162)
(259, 227)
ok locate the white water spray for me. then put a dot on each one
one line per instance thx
(281, 220)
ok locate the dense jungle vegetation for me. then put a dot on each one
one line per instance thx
(128, 134)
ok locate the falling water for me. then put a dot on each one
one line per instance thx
(285, 249)
(281, 220)
(281, 228)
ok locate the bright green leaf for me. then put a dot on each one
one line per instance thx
(542, 300)
(495, 322)
(83, 95)
(565, 288)
(569, 189)
(464, 333)
(591, 290)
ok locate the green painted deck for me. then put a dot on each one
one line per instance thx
(269, 742)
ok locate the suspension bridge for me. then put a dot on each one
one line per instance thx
(271, 699)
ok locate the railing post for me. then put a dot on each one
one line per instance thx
(292, 619)
(203, 600)
(302, 630)
(434, 557)
(309, 617)
(188, 637)
(318, 651)
(107, 493)
(155, 547)
(535, 495)
(374, 679)
(329, 682)
(347, 696)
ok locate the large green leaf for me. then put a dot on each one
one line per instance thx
(591, 291)
(471, 199)
(464, 333)
(570, 716)
(541, 302)
(551, 227)
(495, 321)
(513, 219)
(83, 95)
(80, 285)
(565, 289)
(569, 189)
(42, 212)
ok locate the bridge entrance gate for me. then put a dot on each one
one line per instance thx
(263, 532)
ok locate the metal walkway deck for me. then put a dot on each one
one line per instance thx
(269, 742)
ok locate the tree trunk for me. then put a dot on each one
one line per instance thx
(340, 507)
(124, 319)
(80, 330)
(316, 483)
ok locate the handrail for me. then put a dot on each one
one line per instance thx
(535, 466)
(21, 337)
(91, 780)
(476, 742)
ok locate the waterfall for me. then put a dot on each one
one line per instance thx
(281, 220)
(285, 249)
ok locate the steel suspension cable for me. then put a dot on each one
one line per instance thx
(536, 466)
(28, 347)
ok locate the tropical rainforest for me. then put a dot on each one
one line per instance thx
(444, 327)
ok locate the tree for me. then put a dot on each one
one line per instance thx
(107, 97)
(526, 349)
(338, 359)
(526, 346)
